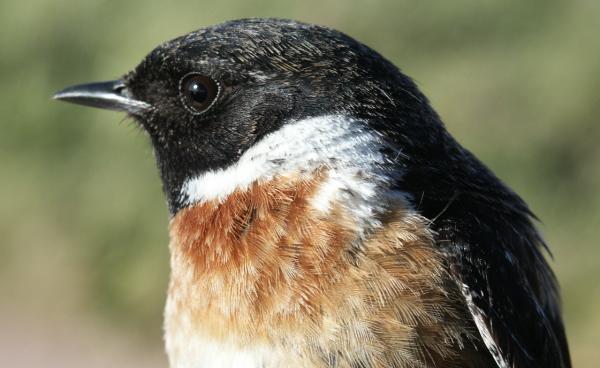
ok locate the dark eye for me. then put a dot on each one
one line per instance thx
(198, 92)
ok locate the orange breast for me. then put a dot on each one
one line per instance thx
(264, 268)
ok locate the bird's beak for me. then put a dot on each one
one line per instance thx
(112, 95)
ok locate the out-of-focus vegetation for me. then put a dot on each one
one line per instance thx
(82, 217)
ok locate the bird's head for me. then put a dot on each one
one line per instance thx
(260, 97)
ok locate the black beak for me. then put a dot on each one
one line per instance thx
(112, 95)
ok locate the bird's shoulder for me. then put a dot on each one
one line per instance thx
(496, 257)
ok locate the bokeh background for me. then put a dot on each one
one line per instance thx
(83, 238)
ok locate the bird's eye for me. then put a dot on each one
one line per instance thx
(198, 92)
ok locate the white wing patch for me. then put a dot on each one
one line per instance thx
(482, 327)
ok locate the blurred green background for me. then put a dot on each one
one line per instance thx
(83, 252)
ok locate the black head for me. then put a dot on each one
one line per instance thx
(206, 97)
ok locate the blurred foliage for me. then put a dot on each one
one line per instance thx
(82, 216)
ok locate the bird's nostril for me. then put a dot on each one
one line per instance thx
(119, 88)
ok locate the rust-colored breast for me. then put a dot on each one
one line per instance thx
(264, 268)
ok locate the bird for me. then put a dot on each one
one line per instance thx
(321, 215)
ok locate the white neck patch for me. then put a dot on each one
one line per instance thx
(348, 149)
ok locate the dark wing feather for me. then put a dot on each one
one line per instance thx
(494, 251)
(496, 257)
(512, 296)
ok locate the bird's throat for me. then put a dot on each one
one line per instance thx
(260, 253)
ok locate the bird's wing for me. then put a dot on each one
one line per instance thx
(509, 289)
